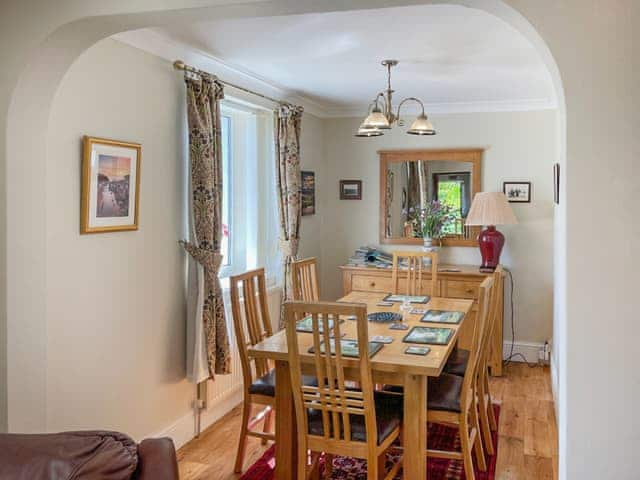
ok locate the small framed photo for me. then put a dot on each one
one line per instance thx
(517, 192)
(308, 193)
(110, 185)
(350, 189)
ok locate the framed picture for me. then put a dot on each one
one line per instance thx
(110, 185)
(350, 189)
(556, 183)
(308, 193)
(517, 192)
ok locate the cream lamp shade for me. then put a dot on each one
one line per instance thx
(490, 208)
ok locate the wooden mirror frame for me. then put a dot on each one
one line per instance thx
(472, 155)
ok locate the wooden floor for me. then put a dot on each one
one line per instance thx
(527, 444)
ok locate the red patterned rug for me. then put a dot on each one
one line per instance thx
(346, 468)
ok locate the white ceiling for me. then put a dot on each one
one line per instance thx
(452, 57)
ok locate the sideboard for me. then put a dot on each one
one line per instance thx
(461, 283)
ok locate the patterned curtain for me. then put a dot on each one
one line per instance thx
(287, 138)
(203, 117)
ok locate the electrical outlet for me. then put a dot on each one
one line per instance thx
(544, 354)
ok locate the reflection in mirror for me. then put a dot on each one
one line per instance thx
(414, 178)
(420, 182)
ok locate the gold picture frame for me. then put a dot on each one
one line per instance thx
(110, 185)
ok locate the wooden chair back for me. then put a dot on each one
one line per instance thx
(305, 280)
(492, 317)
(415, 271)
(251, 320)
(479, 335)
(331, 396)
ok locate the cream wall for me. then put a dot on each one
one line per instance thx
(312, 145)
(520, 146)
(115, 302)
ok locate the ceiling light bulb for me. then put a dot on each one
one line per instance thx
(376, 119)
(421, 126)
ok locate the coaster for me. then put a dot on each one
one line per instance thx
(382, 339)
(399, 326)
(306, 325)
(418, 311)
(352, 317)
(410, 298)
(349, 348)
(428, 335)
(413, 350)
(442, 316)
(384, 304)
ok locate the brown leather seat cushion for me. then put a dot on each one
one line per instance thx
(266, 385)
(444, 393)
(457, 363)
(69, 456)
(388, 418)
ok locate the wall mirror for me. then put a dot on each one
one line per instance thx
(409, 179)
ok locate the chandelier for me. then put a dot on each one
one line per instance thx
(380, 115)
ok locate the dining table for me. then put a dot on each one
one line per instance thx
(390, 366)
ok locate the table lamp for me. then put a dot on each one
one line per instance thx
(490, 209)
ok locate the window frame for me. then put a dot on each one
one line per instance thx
(249, 209)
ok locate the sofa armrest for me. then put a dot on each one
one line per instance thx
(157, 460)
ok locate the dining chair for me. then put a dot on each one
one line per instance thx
(305, 280)
(252, 324)
(331, 417)
(451, 399)
(488, 421)
(415, 271)
(457, 365)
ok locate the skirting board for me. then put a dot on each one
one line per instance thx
(528, 349)
(184, 429)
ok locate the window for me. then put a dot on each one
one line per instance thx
(453, 189)
(226, 197)
(249, 208)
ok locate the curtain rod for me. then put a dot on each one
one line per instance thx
(180, 65)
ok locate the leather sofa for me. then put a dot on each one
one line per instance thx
(88, 455)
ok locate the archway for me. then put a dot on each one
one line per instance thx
(26, 134)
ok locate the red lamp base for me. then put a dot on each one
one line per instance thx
(490, 242)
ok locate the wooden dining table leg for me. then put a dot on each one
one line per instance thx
(415, 427)
(286, 441)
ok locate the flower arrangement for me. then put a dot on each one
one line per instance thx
(434, 218)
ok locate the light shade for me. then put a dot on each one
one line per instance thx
(421, 126)
(376, 119)
(364, 131)
(490, 208)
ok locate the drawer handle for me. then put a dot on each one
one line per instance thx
(372, 284)
(469, 290)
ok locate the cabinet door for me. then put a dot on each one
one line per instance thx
(460, 289)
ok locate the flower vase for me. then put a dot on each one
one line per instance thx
(427, 246)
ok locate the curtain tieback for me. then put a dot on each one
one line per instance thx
(209, 259)
(289, 248)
